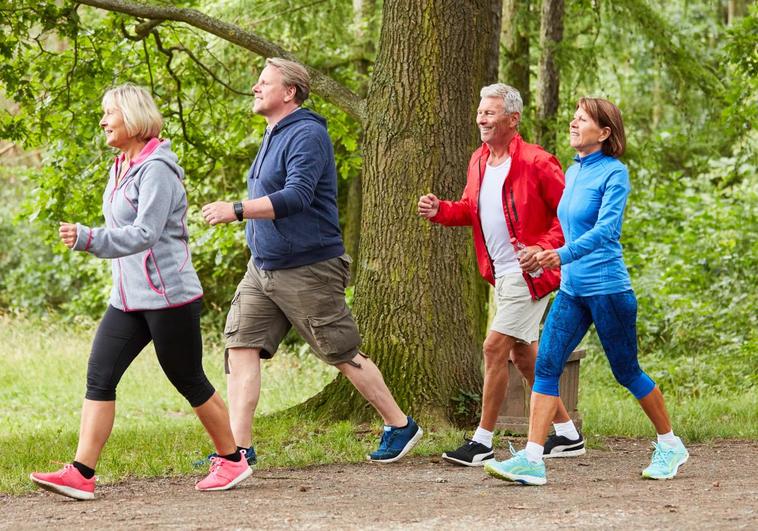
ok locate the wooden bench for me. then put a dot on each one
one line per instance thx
(514, 414)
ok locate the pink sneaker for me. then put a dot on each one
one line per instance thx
(67, 481)
(225, 474)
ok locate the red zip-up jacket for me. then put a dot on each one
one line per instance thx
(530, 199)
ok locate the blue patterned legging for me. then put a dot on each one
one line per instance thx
(615, 318)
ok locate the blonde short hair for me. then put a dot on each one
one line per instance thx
(293, 75)
(142, 118)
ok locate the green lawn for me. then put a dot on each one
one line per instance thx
(42, 379)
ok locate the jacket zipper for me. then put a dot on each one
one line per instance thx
(529, 280)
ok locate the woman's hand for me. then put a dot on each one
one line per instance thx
(428, 206)
(527, 258)
(549, 259)
(67, 232)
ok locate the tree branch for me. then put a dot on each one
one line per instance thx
(325, 86)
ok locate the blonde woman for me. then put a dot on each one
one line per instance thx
(156, 294)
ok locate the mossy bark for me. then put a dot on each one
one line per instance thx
(419, 301)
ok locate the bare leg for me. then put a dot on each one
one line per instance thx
(369, 382)
(524, 358)
(496, 349)
(655, 409)
(215, 417)
(243, 391)
(96, 426)
(542, 410)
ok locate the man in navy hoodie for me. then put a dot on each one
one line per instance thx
(299, 270)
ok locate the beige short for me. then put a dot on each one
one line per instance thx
(517, 315)
(311, 298)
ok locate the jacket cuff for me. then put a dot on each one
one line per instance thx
(279, 202)
(565, 255)
(83, 238)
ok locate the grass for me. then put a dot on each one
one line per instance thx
(42, 383)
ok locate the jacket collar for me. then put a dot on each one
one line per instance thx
(513, 147)
(591, 158)
(148, 150)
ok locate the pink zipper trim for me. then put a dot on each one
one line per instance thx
(149, 254)
(169, 307)
(89, 240)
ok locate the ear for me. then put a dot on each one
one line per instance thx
(605, 132)
(289, 94)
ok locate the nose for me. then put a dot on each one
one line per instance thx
(103, 122)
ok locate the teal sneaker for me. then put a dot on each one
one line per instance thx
(518, 468)
(666, 461)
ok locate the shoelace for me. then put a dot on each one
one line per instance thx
(512, 449)
(387, 437)
(661, 453)
(216, 462)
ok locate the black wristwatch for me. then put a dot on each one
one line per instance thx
(239, 210)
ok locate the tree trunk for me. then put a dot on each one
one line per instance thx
(551, 34)
(514, 69)
(419, 301)
(364, 11)
(736, 9)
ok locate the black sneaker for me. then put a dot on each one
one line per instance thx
(471, 453)
(560, 446)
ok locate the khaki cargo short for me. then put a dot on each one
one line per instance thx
(517, 315)
(311, 298)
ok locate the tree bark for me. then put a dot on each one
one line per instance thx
(736, 9)
(419, 300)
(514, 56)
(364, 49)
(551, 34)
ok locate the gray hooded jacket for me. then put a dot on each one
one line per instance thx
(145, 233)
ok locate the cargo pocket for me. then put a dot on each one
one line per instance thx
(345, 260)
(233, 317)
(334, 334)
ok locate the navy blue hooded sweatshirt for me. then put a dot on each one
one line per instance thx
(295, 168)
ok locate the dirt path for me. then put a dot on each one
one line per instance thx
(717, 488)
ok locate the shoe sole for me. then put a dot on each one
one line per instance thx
(467, 463)
(523, 480)
(233, 483)
(407, 448)
(70, 492)
(566, 453)
(673, 474)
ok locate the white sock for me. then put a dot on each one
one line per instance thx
(483, 436)
(534, 452)
(669, 439)
(566, 429)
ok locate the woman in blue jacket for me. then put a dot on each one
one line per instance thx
(595, 288)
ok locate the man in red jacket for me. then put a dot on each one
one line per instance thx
(510, 201)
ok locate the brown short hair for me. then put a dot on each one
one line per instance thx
(606, 114)
(293, 75)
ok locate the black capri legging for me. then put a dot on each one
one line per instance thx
(175, 333)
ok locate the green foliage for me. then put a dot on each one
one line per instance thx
(58, 61)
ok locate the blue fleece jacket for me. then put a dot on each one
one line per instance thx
(591, 212)
(295, 168)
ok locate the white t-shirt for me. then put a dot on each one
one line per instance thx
(495, 229)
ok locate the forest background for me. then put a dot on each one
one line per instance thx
(684, 73)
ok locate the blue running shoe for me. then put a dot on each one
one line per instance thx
(518, 468)
(396, 442)
(252, 459)
(666, 461)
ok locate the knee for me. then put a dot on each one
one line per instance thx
(637, 382)
(495, 354)
(523, 357)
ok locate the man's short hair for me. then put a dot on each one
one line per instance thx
(293, 75)
(511, 97)
(606, 114)
(142, 118)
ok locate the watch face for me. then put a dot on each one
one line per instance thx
(239, 210)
